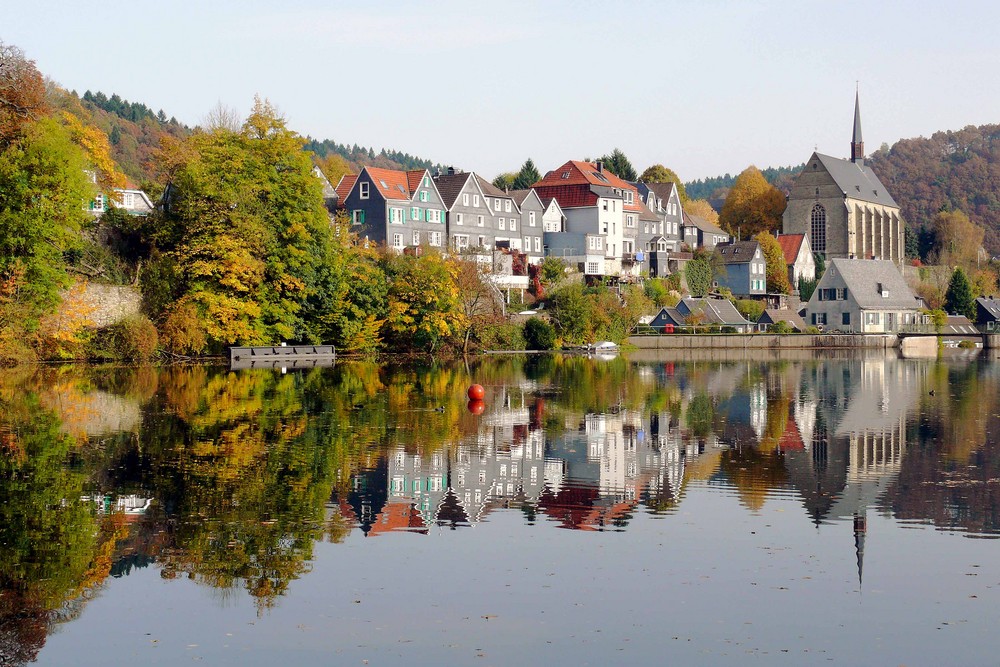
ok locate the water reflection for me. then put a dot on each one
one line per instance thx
(230, 479)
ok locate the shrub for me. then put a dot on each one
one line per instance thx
(750, 309)
(539, 334)
(505, 336)
(781, 327)
(134, 339)
(967, 344)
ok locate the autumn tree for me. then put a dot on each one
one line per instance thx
(660, 174)
(619, 165)
(957, 240)
(247, 243)
(425, 309)
(702, 209)
(334, 167)
(959, 298)
(752, 206)
(478, 296)
(22, 92)
(527, 176)
(777, 269)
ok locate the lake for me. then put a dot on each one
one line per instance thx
(673, 509)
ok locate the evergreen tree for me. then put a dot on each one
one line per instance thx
(619, 165)
(959, 299)
(527, 176)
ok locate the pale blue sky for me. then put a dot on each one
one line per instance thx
(703, 88)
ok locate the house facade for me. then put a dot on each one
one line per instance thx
(665, 202)
(845, 208)
(532, 224)
(798, 257)
(742, 268)
(862, 296)
(700, 233)
(470, 222)
(400, 209)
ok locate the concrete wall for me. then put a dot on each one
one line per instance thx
(762, 341)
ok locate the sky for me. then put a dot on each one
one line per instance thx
(704, 88)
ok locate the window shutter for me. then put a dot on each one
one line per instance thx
(362, 216)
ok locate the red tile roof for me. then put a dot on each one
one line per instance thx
(344, 187)
(790, 246)
(791, 439)
(413, 178)
(396, 182)
(570, 185)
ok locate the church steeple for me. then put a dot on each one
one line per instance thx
(857, 144)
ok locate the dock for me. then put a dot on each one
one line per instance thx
(282, 356)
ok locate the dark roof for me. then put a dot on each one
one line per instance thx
(959, 325)
(863, 276)
(855, 180)
(519, 195)
(857, 119)
(702, 224)
(717, 311)
(449, 186)
(645, 213)
(491, 190)
(737, 252)
(661, 190)
(990, 304)
(775, 315)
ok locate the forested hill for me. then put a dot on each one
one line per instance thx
(954, 170)
(135, 131)
(718, 186)
(359, 156)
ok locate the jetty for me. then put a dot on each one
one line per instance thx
(282, 356)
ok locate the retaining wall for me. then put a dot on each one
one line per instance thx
(764, 341)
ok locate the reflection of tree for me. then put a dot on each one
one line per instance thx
(754, 473)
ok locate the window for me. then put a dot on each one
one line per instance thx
(461, 241)
(436, 238)
(506, 205)
(604, 204)
(397, 240)
(128, 199)
(629, 197)
(423, 195)
(873, 318)
(98, 203)
(480, 221)
(538, 244)
(842, 294)
(414, 213)
(531, 218)
(513, 224)
(475, 200)
(395, 216)
(482, 241)
(817, 229)
(845, 319)
(427, 182)
(527, 243)
(630, 221)
(819, 318)
(496, 204)
(592, 267)
(502, 223)
(458, 219)
(363, 189)
(465, 199)
(416, 238)
(358, 217)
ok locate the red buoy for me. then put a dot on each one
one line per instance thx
(476, 392)
(476, 407)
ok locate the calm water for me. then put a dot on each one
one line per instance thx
(671, 510)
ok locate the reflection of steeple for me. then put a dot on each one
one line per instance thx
(860, 528)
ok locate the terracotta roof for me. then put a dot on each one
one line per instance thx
(344, 187)
(413, 178)
(392, 184)
(791, 439)
(574, 174)
(790, 246)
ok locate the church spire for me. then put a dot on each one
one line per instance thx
(857, 144)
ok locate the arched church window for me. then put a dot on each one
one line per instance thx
(817, 229)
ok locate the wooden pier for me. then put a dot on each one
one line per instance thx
(282, 356)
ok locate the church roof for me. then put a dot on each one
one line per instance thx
(855, 180)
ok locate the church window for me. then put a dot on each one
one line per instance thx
(818, 228)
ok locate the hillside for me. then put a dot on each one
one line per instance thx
(952, 169)
(716, 187)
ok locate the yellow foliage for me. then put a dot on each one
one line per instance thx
(95, 143)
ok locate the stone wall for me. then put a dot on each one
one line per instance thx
(763, 341)
(87, 304)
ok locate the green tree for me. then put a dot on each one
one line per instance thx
(539, 334)
(752, 206)
(777, 270)
(42, 185)
(660, 174)
(619, 165)
(526, 177)
(505, 181)
(248, 233)
(959, 298)
(425, 304)
(699, 274)
(571, 313)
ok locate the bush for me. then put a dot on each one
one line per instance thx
(781, 327)
(506, 336)
(134, 339)
(967, 344)
(750, 309)
(539, 334)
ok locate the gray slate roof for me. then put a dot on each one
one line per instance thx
(856, 180)
(736, 252)
(491, 190)
(862, 277)
(717, 311)
(450, 185)
(775, 315)
(702, 224)
(520, 195)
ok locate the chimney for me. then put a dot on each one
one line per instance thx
(600, 166)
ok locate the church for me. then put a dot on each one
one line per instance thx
(844, 208)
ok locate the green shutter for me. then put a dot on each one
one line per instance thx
(362, 216)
